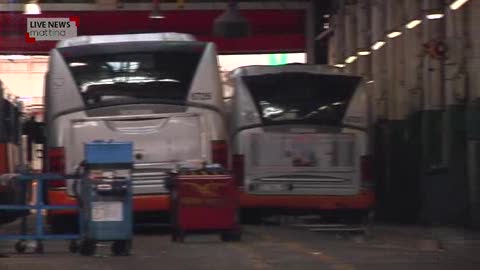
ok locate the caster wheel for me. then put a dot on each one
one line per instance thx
(178, 236)
(73, 246)
(87, 248)
(39, 247)
(225, 237)
(121, 248)
(20, 246)
(181, 239)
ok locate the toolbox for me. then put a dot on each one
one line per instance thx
(204, 201)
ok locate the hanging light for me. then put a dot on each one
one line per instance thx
(394, 34)
(351, 59)
(457, 4)
(435, 16)
(156, 12)
(413, 23)
(364, 52)
(231, 24)
(377, 45)
(434, 9)
(32, 8)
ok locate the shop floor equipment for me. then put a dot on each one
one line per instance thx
(204, 201)
(39, 234)
(105, 198)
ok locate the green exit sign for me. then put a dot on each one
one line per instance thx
(277, 59)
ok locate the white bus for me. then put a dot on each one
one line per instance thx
(299, 140)
(162, 91)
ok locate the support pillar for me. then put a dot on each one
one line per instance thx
(414, 93)
(436, 184)
(398, 180)
(337, 48)
(379, 72)
(310, 32)
(350, 36)
(472, 13)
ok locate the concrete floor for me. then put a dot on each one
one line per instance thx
(273, 247)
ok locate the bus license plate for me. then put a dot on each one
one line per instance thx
(272, 187)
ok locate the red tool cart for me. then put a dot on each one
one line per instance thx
(204, 201)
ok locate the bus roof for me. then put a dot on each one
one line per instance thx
(262, 70)
(84, 40)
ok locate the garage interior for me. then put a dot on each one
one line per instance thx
(419, 59)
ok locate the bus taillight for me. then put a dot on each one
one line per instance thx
(56, 164)
(238, 169)
(220, 152)
(366, 171)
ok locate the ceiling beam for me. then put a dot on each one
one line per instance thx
(288, 5)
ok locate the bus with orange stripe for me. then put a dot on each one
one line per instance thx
(299, 140)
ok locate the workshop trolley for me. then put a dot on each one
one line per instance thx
(39, 234)
(105, 198)
(204, 201)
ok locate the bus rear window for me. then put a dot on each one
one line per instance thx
(128, 72)
(301, 97)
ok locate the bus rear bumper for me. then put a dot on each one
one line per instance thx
(142, 203)
(362, 201)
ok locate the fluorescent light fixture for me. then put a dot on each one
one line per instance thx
(339, 65)
(14, 57)
(394, 34)
(351, 59)
(371, 81)
(32, 8)
(364, 52)
(413, 23)
(457, 4)
(435, 16)
(377, 45)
